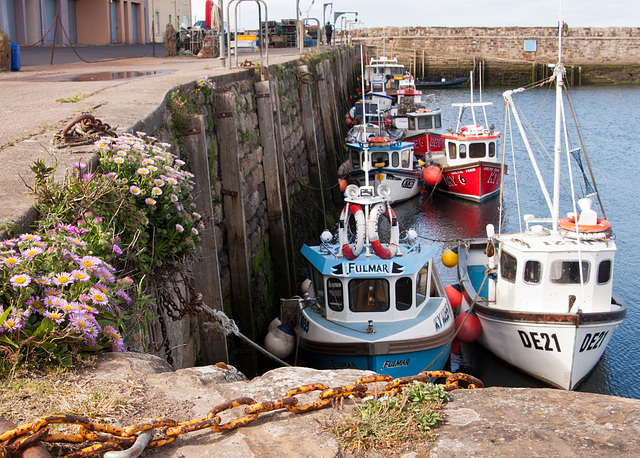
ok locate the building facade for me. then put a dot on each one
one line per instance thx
(91, 22)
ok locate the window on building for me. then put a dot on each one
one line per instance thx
(157, 22)
(604, 272)
(335, 296)
(370, 295)
(568, 272)
(404, 293)
(532, 270)
(477, 150)
(508, 267)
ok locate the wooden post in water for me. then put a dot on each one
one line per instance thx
(234, 217)
(206, 271)
(279, 247)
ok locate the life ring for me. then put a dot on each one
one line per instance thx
(351, 252)
(380, 141)
(569, 224)
(372, 229)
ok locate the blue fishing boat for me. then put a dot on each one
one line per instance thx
(374, 299)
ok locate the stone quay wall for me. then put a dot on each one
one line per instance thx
(271, 147)
(603, 55)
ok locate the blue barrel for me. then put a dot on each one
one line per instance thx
(15, 57)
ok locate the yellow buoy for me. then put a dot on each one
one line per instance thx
(450, 258)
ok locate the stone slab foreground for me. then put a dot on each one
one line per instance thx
(488, 422)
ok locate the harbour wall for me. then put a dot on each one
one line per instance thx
(592, 55)
(272, 142)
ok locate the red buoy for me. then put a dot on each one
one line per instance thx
(432, 175)
(454, 295)
(470, 330)
(207, 12)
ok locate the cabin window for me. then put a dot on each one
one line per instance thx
(395, 159)
(452, 150)
(371, 295)
(404, 293)
(422, 285)
(437, 122)
(492, 149)
(411, 123)
(462, 151)
(568, 272)
(508, 267)
(532, 270)
(335, 297)
(604, 272)
(477, 150)
(425, 122)
(380, 159)
(355, 160)
(406, 158)
(318, 286)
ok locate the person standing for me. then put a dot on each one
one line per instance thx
(328, 30)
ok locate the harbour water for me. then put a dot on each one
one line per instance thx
(606, 116)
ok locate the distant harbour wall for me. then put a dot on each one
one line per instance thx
(609, 55)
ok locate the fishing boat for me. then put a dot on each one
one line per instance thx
(468, 161)
(383, 74)
(375, 301)
(544, 296)
(422, 127)
(382, 160)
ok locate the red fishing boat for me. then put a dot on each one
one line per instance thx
(464, 162)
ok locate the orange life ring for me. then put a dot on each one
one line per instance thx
(378, 140)
(569, 224)
(348, 250)
(378, 210)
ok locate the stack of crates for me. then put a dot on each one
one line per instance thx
(289, 32)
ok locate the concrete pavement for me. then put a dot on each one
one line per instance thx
(40, 99)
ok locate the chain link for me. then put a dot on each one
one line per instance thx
(111, 438)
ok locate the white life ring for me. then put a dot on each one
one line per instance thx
(351, 252)
(377, 211)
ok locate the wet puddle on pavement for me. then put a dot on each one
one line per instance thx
(108, 76)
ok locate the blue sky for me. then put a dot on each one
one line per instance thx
(488, 13)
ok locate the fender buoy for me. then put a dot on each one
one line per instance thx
(372, 228)
(569, 224)
(453, 294)
(470, 330)
(450, 257)
(432, 175)
(351, 252)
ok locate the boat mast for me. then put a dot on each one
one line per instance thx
(559, 76)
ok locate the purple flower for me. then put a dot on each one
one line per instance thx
(116, 249)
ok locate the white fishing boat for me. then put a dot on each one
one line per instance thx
(382, 160)
(375, 300)
(544, 296)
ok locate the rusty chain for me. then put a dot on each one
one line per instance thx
(110, 438)
(82, 130)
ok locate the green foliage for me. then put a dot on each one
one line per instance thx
(76, 98)
(390, 422)
(67, 287)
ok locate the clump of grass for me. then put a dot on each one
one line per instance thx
(391, 422)
(75, 98)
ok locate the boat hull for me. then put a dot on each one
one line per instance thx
(477, 181)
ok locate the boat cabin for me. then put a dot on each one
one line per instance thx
(533, 278)
(385, 70)
(422, 120)
(383, 152)
(472, 143)
(371, 289)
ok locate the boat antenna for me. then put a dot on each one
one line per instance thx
(557, 147)
(473, 111)
(484, 109)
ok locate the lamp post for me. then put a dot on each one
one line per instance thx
(338, 14)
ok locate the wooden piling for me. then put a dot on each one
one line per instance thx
(326, 96)
(279, 247)
(235, 222)
(206, 270)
